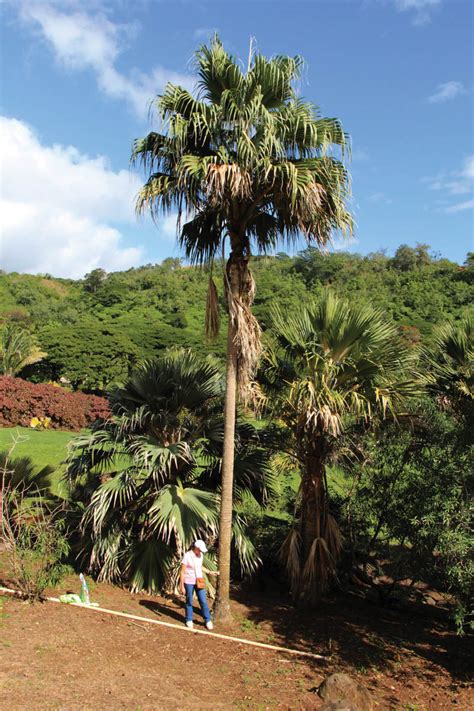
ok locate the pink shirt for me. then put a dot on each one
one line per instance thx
(193, 567)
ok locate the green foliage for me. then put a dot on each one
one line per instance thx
(94, 279)
(143, 311)
(36, 550)
(32, 531)
(18, 349)
(154, 472)
(412, 502)
(451, 364)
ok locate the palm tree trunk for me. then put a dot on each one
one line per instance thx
(312, 504)
(222, 611)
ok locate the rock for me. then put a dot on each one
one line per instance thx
(342, 693)
(338, 706)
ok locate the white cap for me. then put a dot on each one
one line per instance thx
(201, 545)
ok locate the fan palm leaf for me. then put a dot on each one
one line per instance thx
(18, 349)
(153, 468)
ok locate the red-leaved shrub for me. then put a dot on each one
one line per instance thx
(21, 400)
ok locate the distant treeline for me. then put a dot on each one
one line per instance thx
(94, 330)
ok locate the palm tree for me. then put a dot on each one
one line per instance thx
(18, 349)
(335, 366)
(23, 486)
(151, 473)
(450, 364)
(246, 162)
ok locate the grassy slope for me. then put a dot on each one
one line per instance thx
(44, 448)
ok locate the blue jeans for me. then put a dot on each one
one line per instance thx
(201, 595)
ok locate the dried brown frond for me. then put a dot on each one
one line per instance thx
(317, 571)
(333, 537)
(227, 177)
(323, 419)
(212, 318)
(290, 553)
(247, 338)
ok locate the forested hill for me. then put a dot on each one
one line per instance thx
(95, 329)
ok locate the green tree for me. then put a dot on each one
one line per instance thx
(335, 366)
(410, 506)
(90, 354)
(94, 279)
(154, 469)
(252, 163)
(18, 349)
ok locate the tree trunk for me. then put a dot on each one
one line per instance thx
(317, 562)
(222, 606)
(312, 504)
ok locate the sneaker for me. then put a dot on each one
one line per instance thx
(209, 625)
(189, 624)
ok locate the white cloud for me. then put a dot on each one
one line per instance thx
(447, 91)
(360, 155)
(62, 211)
(204, 33)
(167, 227)
(82, 41)
(455, 183)
(343, 244)
(380, 199)
(421, 9)
(460, 206)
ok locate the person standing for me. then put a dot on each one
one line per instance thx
(192, 580)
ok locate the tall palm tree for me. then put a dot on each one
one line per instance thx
(18, 348)
(335, 366)
(150, 474)
(245, 162)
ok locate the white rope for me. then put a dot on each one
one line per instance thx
(182, 628)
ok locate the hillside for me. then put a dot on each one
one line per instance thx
(95, 329)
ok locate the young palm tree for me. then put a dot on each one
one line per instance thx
(335, 366)
(246, 162)
(151, 473)
(18, 349)
(450, 364)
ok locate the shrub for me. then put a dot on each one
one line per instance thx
(36, 546)
(21, 401)
(32, 534)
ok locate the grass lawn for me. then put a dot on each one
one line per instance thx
(48, 447)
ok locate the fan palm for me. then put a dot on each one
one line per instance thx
(152, 472)
(335, 366)
(451, 366)
(22, 485)
(245, 162)
(18, 349)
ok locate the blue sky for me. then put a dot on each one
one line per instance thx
(77, 76)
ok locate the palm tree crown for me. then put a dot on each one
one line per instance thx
(245, 160)
(247, 157)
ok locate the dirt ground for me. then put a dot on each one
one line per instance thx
(60, 657)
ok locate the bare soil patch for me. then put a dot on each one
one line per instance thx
(61, 657)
